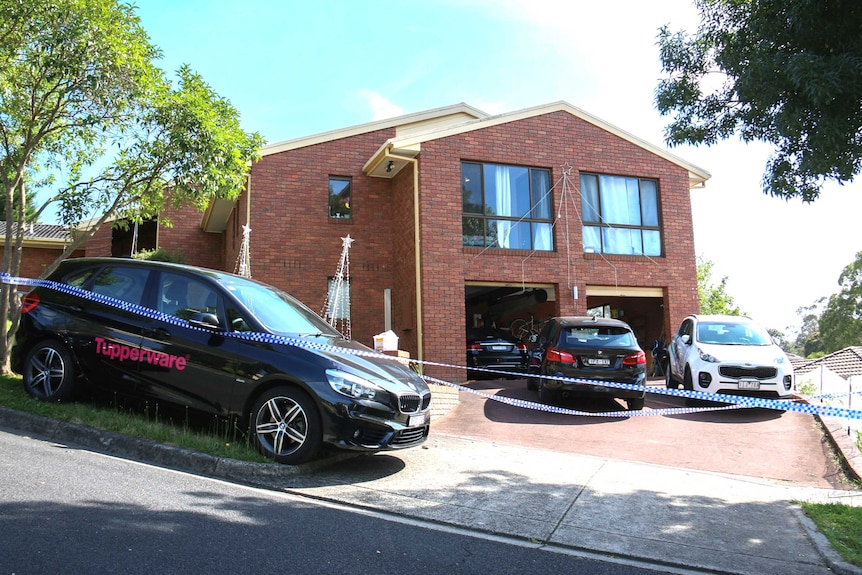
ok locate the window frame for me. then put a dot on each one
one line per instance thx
(596, 217)
(539, 213)
(332, 198)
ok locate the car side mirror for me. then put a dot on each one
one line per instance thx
(686, 339)
(205, 320)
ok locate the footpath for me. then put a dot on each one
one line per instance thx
(561, 501)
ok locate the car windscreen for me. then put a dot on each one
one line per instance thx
(278, 312)
(596, 336)
(732, 333)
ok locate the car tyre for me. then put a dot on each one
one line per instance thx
(285, 425)
(532, 383)
(49, 374)
(635, 403)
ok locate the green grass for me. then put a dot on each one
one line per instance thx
(215, 436)
(842, 526)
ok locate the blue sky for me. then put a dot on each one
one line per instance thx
(296, 68)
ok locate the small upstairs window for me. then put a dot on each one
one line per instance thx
(340, 206)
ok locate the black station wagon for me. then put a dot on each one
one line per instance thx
(587, 348)
(217, 343)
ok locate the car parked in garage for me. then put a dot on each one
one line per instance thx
(216, 343)
(494, 350)
(727, 354)
(587, 348)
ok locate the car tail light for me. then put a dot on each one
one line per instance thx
(559, 356)
(638, 358)
(29, 302)
(474, 347)
(522, 347)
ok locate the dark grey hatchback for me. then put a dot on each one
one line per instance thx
(587, 348)
(217, 343)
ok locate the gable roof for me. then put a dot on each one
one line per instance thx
(435, 118)
(409, 144)
(845, 362)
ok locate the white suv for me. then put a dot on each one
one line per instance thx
(727, 354)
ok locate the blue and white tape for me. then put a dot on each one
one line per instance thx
(730, 401)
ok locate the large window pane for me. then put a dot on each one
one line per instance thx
(592, 239)
(541, 196)
(590, 198)
(652, 243)
(471, 188)
(649, 203)
(624, 241)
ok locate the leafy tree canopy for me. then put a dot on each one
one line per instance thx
(714, 298)
(841, 321)
(786, 72)
(81, 99)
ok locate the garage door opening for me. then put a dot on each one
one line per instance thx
(504, 306)
(641, 308)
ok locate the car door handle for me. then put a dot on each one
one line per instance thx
(158, 333)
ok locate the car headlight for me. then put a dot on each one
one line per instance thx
(707, 357)
(353, 386)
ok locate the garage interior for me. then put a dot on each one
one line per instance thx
(497, 305)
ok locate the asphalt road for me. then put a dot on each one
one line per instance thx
(785, 446)
(65, 510)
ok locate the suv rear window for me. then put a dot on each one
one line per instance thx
(592, 336)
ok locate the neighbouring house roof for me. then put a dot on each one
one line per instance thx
(845, 362)
(42, 235)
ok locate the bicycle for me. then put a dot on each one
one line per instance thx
(526, 330)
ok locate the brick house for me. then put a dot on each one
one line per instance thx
(461, 219)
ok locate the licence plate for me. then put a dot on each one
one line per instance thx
(749, 384)
(499, 348)
(417, 420)
(598, 361)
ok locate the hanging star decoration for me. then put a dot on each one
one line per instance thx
(567, 169)
(346, 242)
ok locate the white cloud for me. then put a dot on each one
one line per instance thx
(381, 108)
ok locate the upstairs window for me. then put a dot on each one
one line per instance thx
(620, 215)
(506, 207)
(339, 198)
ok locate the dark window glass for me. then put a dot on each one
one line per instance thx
(507, 207)
(125, 284)
(340, 198)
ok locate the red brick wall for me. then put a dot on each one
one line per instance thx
(34, 260)
(296, 246)
(199, 248)
(549, 141)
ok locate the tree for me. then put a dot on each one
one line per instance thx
(786, 72)
(841, 322)
(808, 342)
(714, 299)
(80, 96)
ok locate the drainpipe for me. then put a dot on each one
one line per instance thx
(417, 242)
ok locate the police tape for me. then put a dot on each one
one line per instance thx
(730, 401)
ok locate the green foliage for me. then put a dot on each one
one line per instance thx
(808, 341)
(30, 215)
(714, 299)
(786, 72)
(161, 255)
(80, 96)
(840, 324)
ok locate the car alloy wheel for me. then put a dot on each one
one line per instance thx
(48, 372)
(285, 426)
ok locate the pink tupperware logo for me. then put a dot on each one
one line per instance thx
(122, 352)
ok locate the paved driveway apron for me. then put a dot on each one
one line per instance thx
(788, 447)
